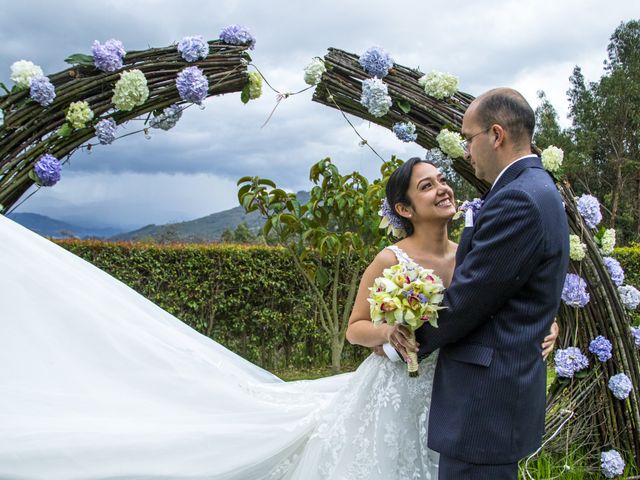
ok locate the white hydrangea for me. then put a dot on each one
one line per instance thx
(577, 249)
(313, 72)
(450, 143)
(608, 241)
(552, 158)
(1, 118)
(23, 71)
(438, 84)
(630, 296)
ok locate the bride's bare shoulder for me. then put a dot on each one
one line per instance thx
(385, 258)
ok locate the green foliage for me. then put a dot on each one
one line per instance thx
(241, 234)
(249, 299)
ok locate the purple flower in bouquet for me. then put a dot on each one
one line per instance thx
(192, 85)
(601, 348)
(48, 170)
(574, 292)
(615, 270)
(237, 35)
(376, 62)
(405, 131)
(569, 361)
(193, 48)
(589, 209)
(635, 334)
(106, 131)
(42, 90)
(108, 57)
(620, 385)
(611, 463)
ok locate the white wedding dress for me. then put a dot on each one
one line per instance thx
(96, 382)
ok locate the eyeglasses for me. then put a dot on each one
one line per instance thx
(465, 143)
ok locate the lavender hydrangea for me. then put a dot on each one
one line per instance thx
(612, 464)
(192, 85)
(589, 208)
(237, 35)
(405, 131)
(42, 90)
(635, 334)
(473, 205)
(106, 131)
(630, 296)
(391, 220)
(48, 170)
(376, 62)
(167, 119)
(615, 270)
(574, 292)
(620, 385)
(108, 57)
(375, 97)
(601, 348)
(193, 48)
(569, 361)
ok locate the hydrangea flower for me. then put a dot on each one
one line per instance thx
(552, 158)
(569, 361)
(131, 90)
(577, 249)
(313, 72)
(405, 131)
(376, 62)
(192, 85)
(167, 119)
(450, 143)
(255, 85)
(42, 90)
(574, 292)
(237, 35)
(391, 220)
(635, 334)
(439, 85)
(48, 170)
(608, 241)
(375, 97)
(193, 48)
(23, 71)
(601, 348)
(611, 463)
(615, 270)
(78, 114)
(589, 208)
(620, 386)
(630, 296)
(106, 131)
(108, 57)
(1, 117)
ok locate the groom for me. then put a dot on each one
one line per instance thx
(488, 404)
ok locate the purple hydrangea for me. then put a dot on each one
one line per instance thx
(635, 334)
(589, 208)
(193, 48)
(237, 35)
(620, 385)
(42, 90)
(108, 57)
(574, 292)
(106, 131)
(48, 170)
(601, 348)
(612, 464)
(192, 85)
(167, 119)
(630, 296)
(376, 62)
(375, 97)
(569, 361)
(405, 131)
(615, 270)
(474, 205)
(389, 213)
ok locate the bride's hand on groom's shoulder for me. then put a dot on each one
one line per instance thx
(549, 342)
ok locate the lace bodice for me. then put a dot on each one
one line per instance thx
(401, 255)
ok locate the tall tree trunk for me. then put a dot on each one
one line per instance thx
(617, 191)
(638, 205)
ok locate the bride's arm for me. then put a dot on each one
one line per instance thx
(360, 330)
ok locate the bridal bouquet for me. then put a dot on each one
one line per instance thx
(409, 295)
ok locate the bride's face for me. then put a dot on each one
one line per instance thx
(430, 194)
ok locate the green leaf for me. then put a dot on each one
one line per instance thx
(404, 105)
(244, 96)
(244, 179)
(80, 59)
(266, 181)
(322, 277)
(4, 87)
(65, 130)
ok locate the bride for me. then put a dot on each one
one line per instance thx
(96, 382)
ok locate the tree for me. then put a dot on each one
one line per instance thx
(241, 234)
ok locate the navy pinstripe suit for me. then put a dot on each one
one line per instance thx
(489, 389)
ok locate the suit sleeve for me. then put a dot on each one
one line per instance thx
(507, 245)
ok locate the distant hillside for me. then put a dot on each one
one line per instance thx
(50, 227)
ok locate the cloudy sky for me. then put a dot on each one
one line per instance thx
(191, 170)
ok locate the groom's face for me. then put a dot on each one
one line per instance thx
(478, 152)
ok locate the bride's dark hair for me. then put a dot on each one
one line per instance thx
(398, 185)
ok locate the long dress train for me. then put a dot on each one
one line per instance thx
(97, 382)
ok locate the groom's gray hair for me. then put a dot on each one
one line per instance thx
(509, 109)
